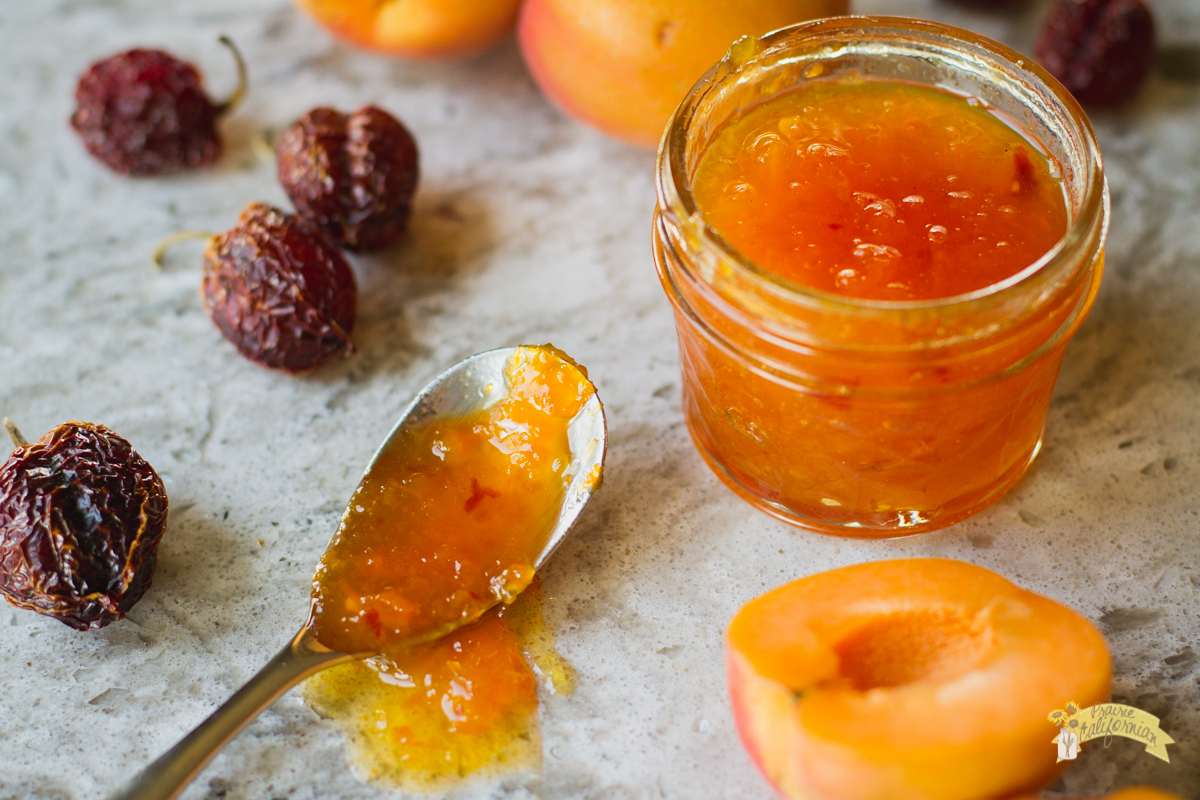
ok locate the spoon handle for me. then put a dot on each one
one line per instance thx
(175, 769)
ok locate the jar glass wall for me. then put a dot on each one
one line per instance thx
(861, 417)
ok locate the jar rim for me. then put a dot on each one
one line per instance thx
(674, 183)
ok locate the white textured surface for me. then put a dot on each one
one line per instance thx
(528, 228)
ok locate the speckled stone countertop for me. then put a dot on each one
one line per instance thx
(527, 228)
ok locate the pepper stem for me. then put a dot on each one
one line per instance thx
(263, 148)
(243, 82)
(174, 239)
(14, 433)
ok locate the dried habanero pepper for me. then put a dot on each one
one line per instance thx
(1101, 50)
(81, 518)
(145, 112)
(351, 175)
(279, 290)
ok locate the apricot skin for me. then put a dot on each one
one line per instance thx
(624, 65)
(827, 717)
(418, 29)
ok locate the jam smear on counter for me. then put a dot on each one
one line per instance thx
(464, 705)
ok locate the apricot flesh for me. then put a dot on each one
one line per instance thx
(906, 679)
(624, 65)
(420, 29)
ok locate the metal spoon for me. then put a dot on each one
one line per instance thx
(457, 392)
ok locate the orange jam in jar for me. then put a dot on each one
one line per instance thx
(878, 235)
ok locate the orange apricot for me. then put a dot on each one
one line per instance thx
(423, 29)
(624, 65)
(907, 679)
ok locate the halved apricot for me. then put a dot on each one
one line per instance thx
(915, 678)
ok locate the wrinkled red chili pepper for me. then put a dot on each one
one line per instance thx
(351, 175)
(279, 290)
(81, 518)
(1101, 50)
(145, 112)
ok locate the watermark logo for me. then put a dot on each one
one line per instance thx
(1078, 725)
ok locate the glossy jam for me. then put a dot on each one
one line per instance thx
(464, 705)
(883, 191)
(452, 517)
(807, 386)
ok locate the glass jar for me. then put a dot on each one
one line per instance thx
(873, 418)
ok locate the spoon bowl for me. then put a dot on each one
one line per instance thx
(469, 386)
(479, 382)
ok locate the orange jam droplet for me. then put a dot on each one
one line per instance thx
(881, 190)
(466, 704)
(452, 516)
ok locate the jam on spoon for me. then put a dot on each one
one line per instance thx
(451, 517)
(445, 525)
(448, 521)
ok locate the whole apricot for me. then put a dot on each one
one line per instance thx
(423, 29)
(624, 65)
(912, 679)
